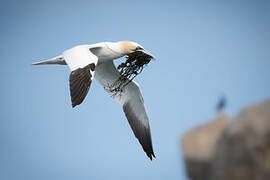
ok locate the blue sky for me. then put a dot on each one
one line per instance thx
(203, 49)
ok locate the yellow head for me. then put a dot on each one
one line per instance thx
(129, 47)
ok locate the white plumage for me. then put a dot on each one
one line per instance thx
(96, 61)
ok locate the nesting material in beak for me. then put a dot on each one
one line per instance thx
(133, 66)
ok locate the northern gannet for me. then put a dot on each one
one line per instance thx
(96, 60)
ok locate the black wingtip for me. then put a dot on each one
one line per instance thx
(151, 155)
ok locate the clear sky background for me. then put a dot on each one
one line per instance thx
(202, 49)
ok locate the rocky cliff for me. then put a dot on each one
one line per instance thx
(230, 148)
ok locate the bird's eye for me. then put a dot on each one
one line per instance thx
(138, 48)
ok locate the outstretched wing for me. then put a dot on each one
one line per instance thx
(132, 101)
(82, 63)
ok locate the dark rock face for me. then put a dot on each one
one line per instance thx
(241, 150)
(199, 147)
(198, 169)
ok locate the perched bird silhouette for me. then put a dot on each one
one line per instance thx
(222, 102)
(96, 61)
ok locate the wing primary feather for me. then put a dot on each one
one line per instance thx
(141, 131)
(79, 82)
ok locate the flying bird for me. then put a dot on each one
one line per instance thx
(96, 61)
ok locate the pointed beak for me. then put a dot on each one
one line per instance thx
(147, 54)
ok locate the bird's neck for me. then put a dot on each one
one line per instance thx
(116, 49)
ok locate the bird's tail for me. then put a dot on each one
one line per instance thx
(56, 60)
